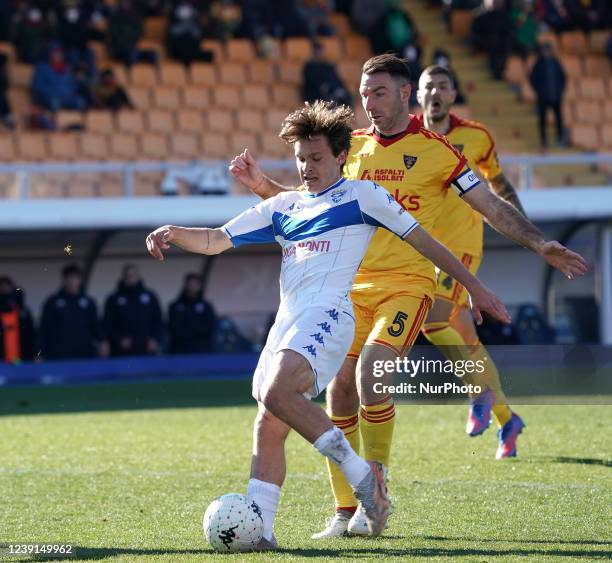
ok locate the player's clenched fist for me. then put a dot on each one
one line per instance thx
(159, 240)
(245, 169)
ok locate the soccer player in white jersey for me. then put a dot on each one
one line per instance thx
(324, 231)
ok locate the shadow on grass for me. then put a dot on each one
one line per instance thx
(493, 540)
(583, 460)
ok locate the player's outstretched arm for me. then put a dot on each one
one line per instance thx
(510, 223)
(200, 241)
(245, 169)
(504, 189)
(483, 299)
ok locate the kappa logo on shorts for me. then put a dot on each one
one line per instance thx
(447, 282)
(311, 350)
(318, 338)
(333, 314)
(325, 327)
(337, 196)
(409, 161)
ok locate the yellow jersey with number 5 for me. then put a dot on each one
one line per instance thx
(417, 167)
(460, 228)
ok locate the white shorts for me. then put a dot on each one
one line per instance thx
(322, 334)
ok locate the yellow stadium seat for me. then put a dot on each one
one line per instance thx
(297, 49)
(185, 146)
(63, 146)
(124, 146)
(240, 141)
(341, 23)
(273, 119)
(191, 120)
(155, 28)
(153, 45)
(592, 88)
(221, 121)
(216, 47)
(160, 121)
(571, 90)
(165, 97)
(585, 136)
(140, 97)
(350, 72)
(596, 65)
(21, 75)
(598, 41)
(233, 73)
(154, 146)
(68, 118)
(100, 52)
(142, 74)
(130, 121)
(357, 48)
(260, 72)
(32, 147)
(214, 146)
(572, 64)
(461, 22)
(333, 48)
(250, 120)
(120, 72)
(606, 136)
(196, 97)
(527, 93)
(203, 74)
(172, 74)
(7, 147)
(273, 147)
(240, 50)
(608, 110)
(515, 72)
(549, 37)
(8, 50)
(286, 96)
(110, 185)
(94, 146)
(227, 97)
(99, 121)
(588, 112)
(255, 96)
(573, 43)
(147, 184)
(20, 100)
(290, 72)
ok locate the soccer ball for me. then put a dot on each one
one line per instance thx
(233, 523)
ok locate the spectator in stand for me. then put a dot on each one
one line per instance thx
(31, 34)
(72, 35)
(6, 17)
(548, 81)
(107, 93)
(132, 317)
(17, 336)
(443, 58)
(125, 29)
(289, 22)
(395, 31)
(55, 86)
(609, 49)
(492, 34)
(321, 80)
(365, 15)
(412, 55)
(185, 34)
(6, 114)
(69, 325)
(191, 320)
(227, 15)
(525, 29)
(316, 15)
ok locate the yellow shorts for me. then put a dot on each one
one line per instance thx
(450, 289)
(388, 316)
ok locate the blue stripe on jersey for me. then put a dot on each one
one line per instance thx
(259, 236)
(337, 217)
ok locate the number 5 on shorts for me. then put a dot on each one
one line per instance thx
(398, 325)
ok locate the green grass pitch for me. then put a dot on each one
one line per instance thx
(125, 472)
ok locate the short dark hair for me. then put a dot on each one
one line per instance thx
(439, 69)
(71, 270)
(392, 64)
(320, 118)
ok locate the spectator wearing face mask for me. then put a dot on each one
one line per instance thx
(31, 34)
(73, 34)
(17, 336)
(55, 86)
(321, 80)
(109, 94)
(185, 34)
(125, 29)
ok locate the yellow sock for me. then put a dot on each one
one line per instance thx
(345, 499)
(454, 347)
(377, 423)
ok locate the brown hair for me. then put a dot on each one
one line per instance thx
(438, 69)
(394, 65)
(320, 118)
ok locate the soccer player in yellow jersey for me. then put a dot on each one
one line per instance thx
(449, 324)
(392, 296)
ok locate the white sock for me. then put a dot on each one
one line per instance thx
(336, 447)
(266, 495)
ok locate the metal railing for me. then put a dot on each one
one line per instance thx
(24, 172)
